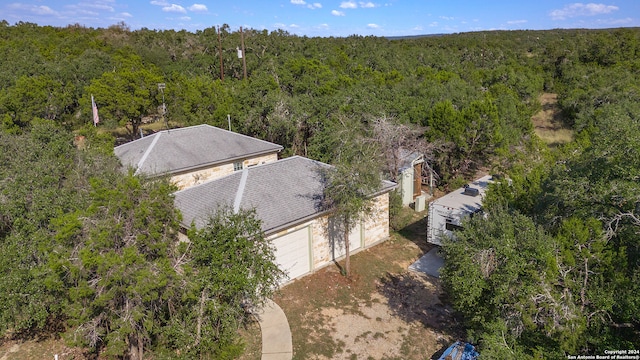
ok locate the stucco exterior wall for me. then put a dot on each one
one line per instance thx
(196, 177)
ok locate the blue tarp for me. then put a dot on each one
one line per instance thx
(460, 351)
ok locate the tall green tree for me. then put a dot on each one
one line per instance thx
(40, 97)
(350, 184)
(121, 275)
(499, 272)
(125, 96)
(231, 271)
(44, 179)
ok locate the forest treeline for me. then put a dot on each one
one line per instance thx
(299, 91)
(553, 270)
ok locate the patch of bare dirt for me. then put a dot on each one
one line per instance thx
(397, 323)
(38, 349)
(384, 312)
(549, 123)
(12, 349)
(550, 117)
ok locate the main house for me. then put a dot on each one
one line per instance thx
(196, 154)
(286, 194)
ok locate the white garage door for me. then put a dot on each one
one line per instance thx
(355, 242)
(292, 253)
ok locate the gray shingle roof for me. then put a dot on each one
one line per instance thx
(284, 193)
(178, 150)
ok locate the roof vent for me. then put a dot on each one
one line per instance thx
(471, 191)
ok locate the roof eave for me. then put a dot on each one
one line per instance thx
(225, 161)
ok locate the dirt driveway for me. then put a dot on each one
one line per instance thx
(383, 311)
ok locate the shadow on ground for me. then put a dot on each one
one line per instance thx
(416, 232)
(416, 297)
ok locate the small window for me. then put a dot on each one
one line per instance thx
(237, 166)
(451, 226)
(477, 211)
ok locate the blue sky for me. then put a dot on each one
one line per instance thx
(328, 17)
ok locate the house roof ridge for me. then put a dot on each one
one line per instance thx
(239, 134)
(147, 152)
(241, 186)
(187, 128)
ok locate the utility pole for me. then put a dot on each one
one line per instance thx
(220, 52)
(244, 58)
(161, 87)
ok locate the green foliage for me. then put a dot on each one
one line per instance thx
(37, 97)
(585, 197)
(95, 251)
(231, 272)
(128, 235)
(350, 184)
(395, 210)
(44, 187)
(126, 95)
(494, 269)
(198, 100)
(475, 94)
(296, 86)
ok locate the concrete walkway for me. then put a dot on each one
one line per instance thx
(430, 263)
(276, 334)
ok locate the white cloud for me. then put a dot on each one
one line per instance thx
(294, 26)
(198, 8)
(337, 13)
(621, 21)
(367, 4)
(323, 26)
(96, 6)
(159, 3)
(418, 28)
(126, 14)
(516, 22)
(348, 5)
(174, 8)
(313, 6)
(373, 26)
(43, 10)
(446, 17)
(37, 10)
(580, 9)
(434, 24)
(612, 22)
(185, 18)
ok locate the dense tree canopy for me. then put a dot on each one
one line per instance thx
(296, 86)
(577, 210)
(553, 269)
(93, 254)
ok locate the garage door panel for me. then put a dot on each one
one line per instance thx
(292, 253)
(355, 242)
